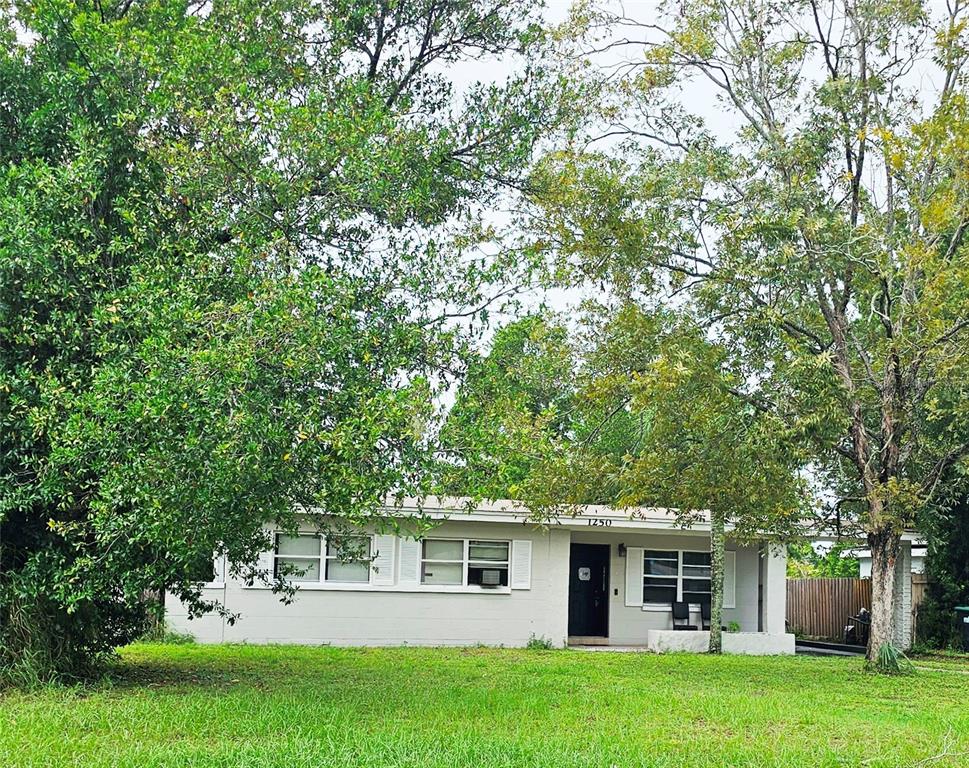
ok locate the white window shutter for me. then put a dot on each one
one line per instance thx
(265, 561)
(382, 565)
(218, 569)
(521, 564)
(634, 576)
(409, 562)
(729, 579)
(264, 564)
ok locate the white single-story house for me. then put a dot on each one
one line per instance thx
(491, 576)
(919, 549)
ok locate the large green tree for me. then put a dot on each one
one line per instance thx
(539, 418)
(687, 442)
(630, 409)
(703, 452)
(516, 401)
(229, 280)
(779, 169)
(947, 568)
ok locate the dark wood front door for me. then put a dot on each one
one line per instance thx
(589, 590)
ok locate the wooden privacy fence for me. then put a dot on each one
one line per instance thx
(819, 608)
(920, 585)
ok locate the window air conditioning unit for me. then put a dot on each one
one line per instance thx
(491, 578)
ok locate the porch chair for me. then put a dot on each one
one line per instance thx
(681, 617)
(705, 615)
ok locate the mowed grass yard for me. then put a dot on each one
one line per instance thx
(292, 706)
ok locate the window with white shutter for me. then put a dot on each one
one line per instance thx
(308, 558)
(521, 564)
(465, 562)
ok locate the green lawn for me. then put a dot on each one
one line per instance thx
(293, 707)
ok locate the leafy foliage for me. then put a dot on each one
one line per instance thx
(539, 643)
(947, 566)
(637, 410)
(820, 244)
(891, 661)
(228, 266)
(513, 404)
(805, 562)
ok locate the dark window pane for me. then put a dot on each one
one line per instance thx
(203, 569)
(657, 554)
(443, 549)
(659, 568)
(652, 581)
(696, 585)
(442, 573)
(696, 558)
(304, 545)
(696, 571)
(488, 551)
(653, 594)
(298, 568)
(348, 548)
(696, 597)
(354, 571)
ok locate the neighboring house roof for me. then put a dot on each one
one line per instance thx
(919, 549)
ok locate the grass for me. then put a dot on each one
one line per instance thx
(184, 705)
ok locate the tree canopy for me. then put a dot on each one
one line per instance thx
(821, 244)
(633, 409)
(234, 239)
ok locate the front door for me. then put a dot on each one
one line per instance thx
(589, 590)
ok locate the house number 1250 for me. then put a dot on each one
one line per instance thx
(599, 523)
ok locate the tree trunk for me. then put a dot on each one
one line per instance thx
(716, 580)
(885, 544)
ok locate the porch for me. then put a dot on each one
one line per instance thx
(623, 581)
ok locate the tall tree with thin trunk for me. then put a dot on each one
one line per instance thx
(797, 175)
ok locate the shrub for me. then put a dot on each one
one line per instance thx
(539, 643)
(891, 661)
(947, 565)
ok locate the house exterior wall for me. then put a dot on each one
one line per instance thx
(400, 615)
(774, 598)
(384, 617)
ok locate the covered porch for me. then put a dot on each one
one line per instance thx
(625, 575)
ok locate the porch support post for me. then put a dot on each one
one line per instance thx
(775, 588)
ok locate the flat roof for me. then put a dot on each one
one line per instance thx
(580, 515)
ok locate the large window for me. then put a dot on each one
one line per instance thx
(660, 573)
(461, 562)
(313, 559)
(672, 576)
